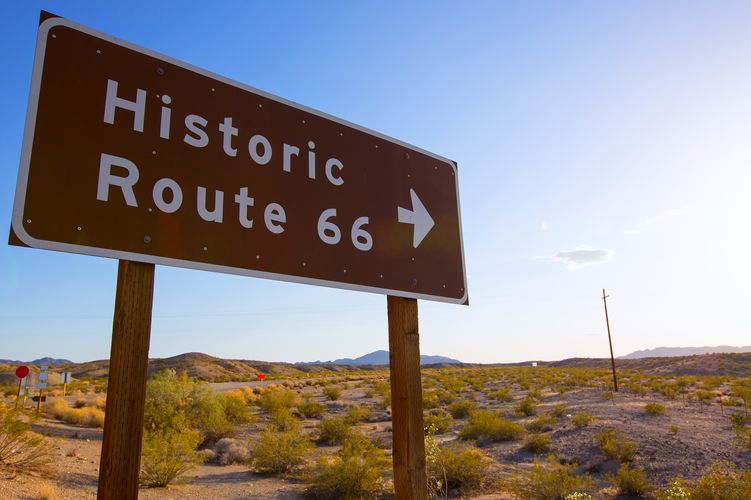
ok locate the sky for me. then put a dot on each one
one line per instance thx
(599, 144)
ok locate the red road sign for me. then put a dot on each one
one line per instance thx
(261, 376)
(133, 155)
(22, 371)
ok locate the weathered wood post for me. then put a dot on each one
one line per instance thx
(410, 480)
(126, 385)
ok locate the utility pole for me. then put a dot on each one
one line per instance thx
(610, 340)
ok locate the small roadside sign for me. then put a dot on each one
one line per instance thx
(22, 371)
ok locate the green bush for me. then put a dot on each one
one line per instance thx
(560, 410)
(486, 425)
(278, 452)
(21, 449)
(357, 471)
(581, 420)
(441, 421)
(654, 409)
(543, 423)
(274, 398)
(723, 481)
(554, 481)
(527, 407)
(332, 393)
(538, 443)
(334, 431)
(236, 408)
(630, 481)
(614, 445)
(357, 414)
(310, 408)
(502, 395)
(457, 466)
(167, 454)
(460, 409)
(282, 419)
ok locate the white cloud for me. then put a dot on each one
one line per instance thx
(544, 226)
(581, 256)
(651, 220)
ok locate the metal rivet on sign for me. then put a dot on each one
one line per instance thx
(147, 239)
(413, 259)
(54, 35)
(444, 286)
(436, 167)
(341, 134)
(78, 228)
(206, 248)
(160, 71)
(345, 270)
(413, 281)
(213, 89)
(258, 257)
(28, 221)
(98, 51)
(304, 264)
(376, 146)
(153, 152)
(406, 156)
(260, 105)
(381, 276)
(303, 121)
(149, 210)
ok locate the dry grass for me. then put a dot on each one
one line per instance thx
(85, 416)
(45, 491)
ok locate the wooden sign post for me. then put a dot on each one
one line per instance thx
(126, 384)
(410, 480)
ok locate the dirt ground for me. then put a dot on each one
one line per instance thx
(684, 441)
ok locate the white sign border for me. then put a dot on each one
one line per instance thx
(28, 139)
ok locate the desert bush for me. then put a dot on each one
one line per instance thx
(527, 406)
(282, 419)
(485, 425)
(19, 447)
(654, 409)
(543, 423)
(279, 452)
(310, 408)
(614, 445)
(230, 451)
(168, 453)
(581, 420)
(357, 471)
(273, 398)
(673, 429)
(460, 409)
(723, 481)
(538, 443)
(430, 399)
(332, 393)
(549, 482)
(607, 395)
(630, 481)
(236, 407)
(502, 395)
(86, 416)
(560, 410)
(79, 403)
(457, 466)
(738, 419)
(334, 430)
(357, 414)
(676, 490)
(441, 421)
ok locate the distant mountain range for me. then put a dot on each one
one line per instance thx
(37, 362)
(382, 358)
(669, 352)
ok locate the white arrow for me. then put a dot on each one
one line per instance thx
(418, 217)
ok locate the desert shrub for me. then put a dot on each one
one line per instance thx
(282, 419)
(79, 403)
(738, 419)
(168, 453)
(485, 425)
(614, 445)
(273, 398)
(560, 410)
(538, 443)
(229, 451)
(673, 429)
(527, 406)
(630, 481)
(310, 408)
(430, 399)
(581, 420)
(332, 393)
(460, 409)
(607, 395)
(278, 452)
(457, 466)
(654, 409)
(236, 407)
(86, 416)
(543, 423)
(676, 490)
(549, 482)
(440, 421)
(357, 414)
(502, 395)
(19, 447)
(356, 471)
(334, 430)
(723, 481)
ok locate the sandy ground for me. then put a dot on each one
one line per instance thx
(704, 436)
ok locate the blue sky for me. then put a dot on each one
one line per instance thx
(600, 145)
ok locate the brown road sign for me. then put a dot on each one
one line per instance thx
(133, 155)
